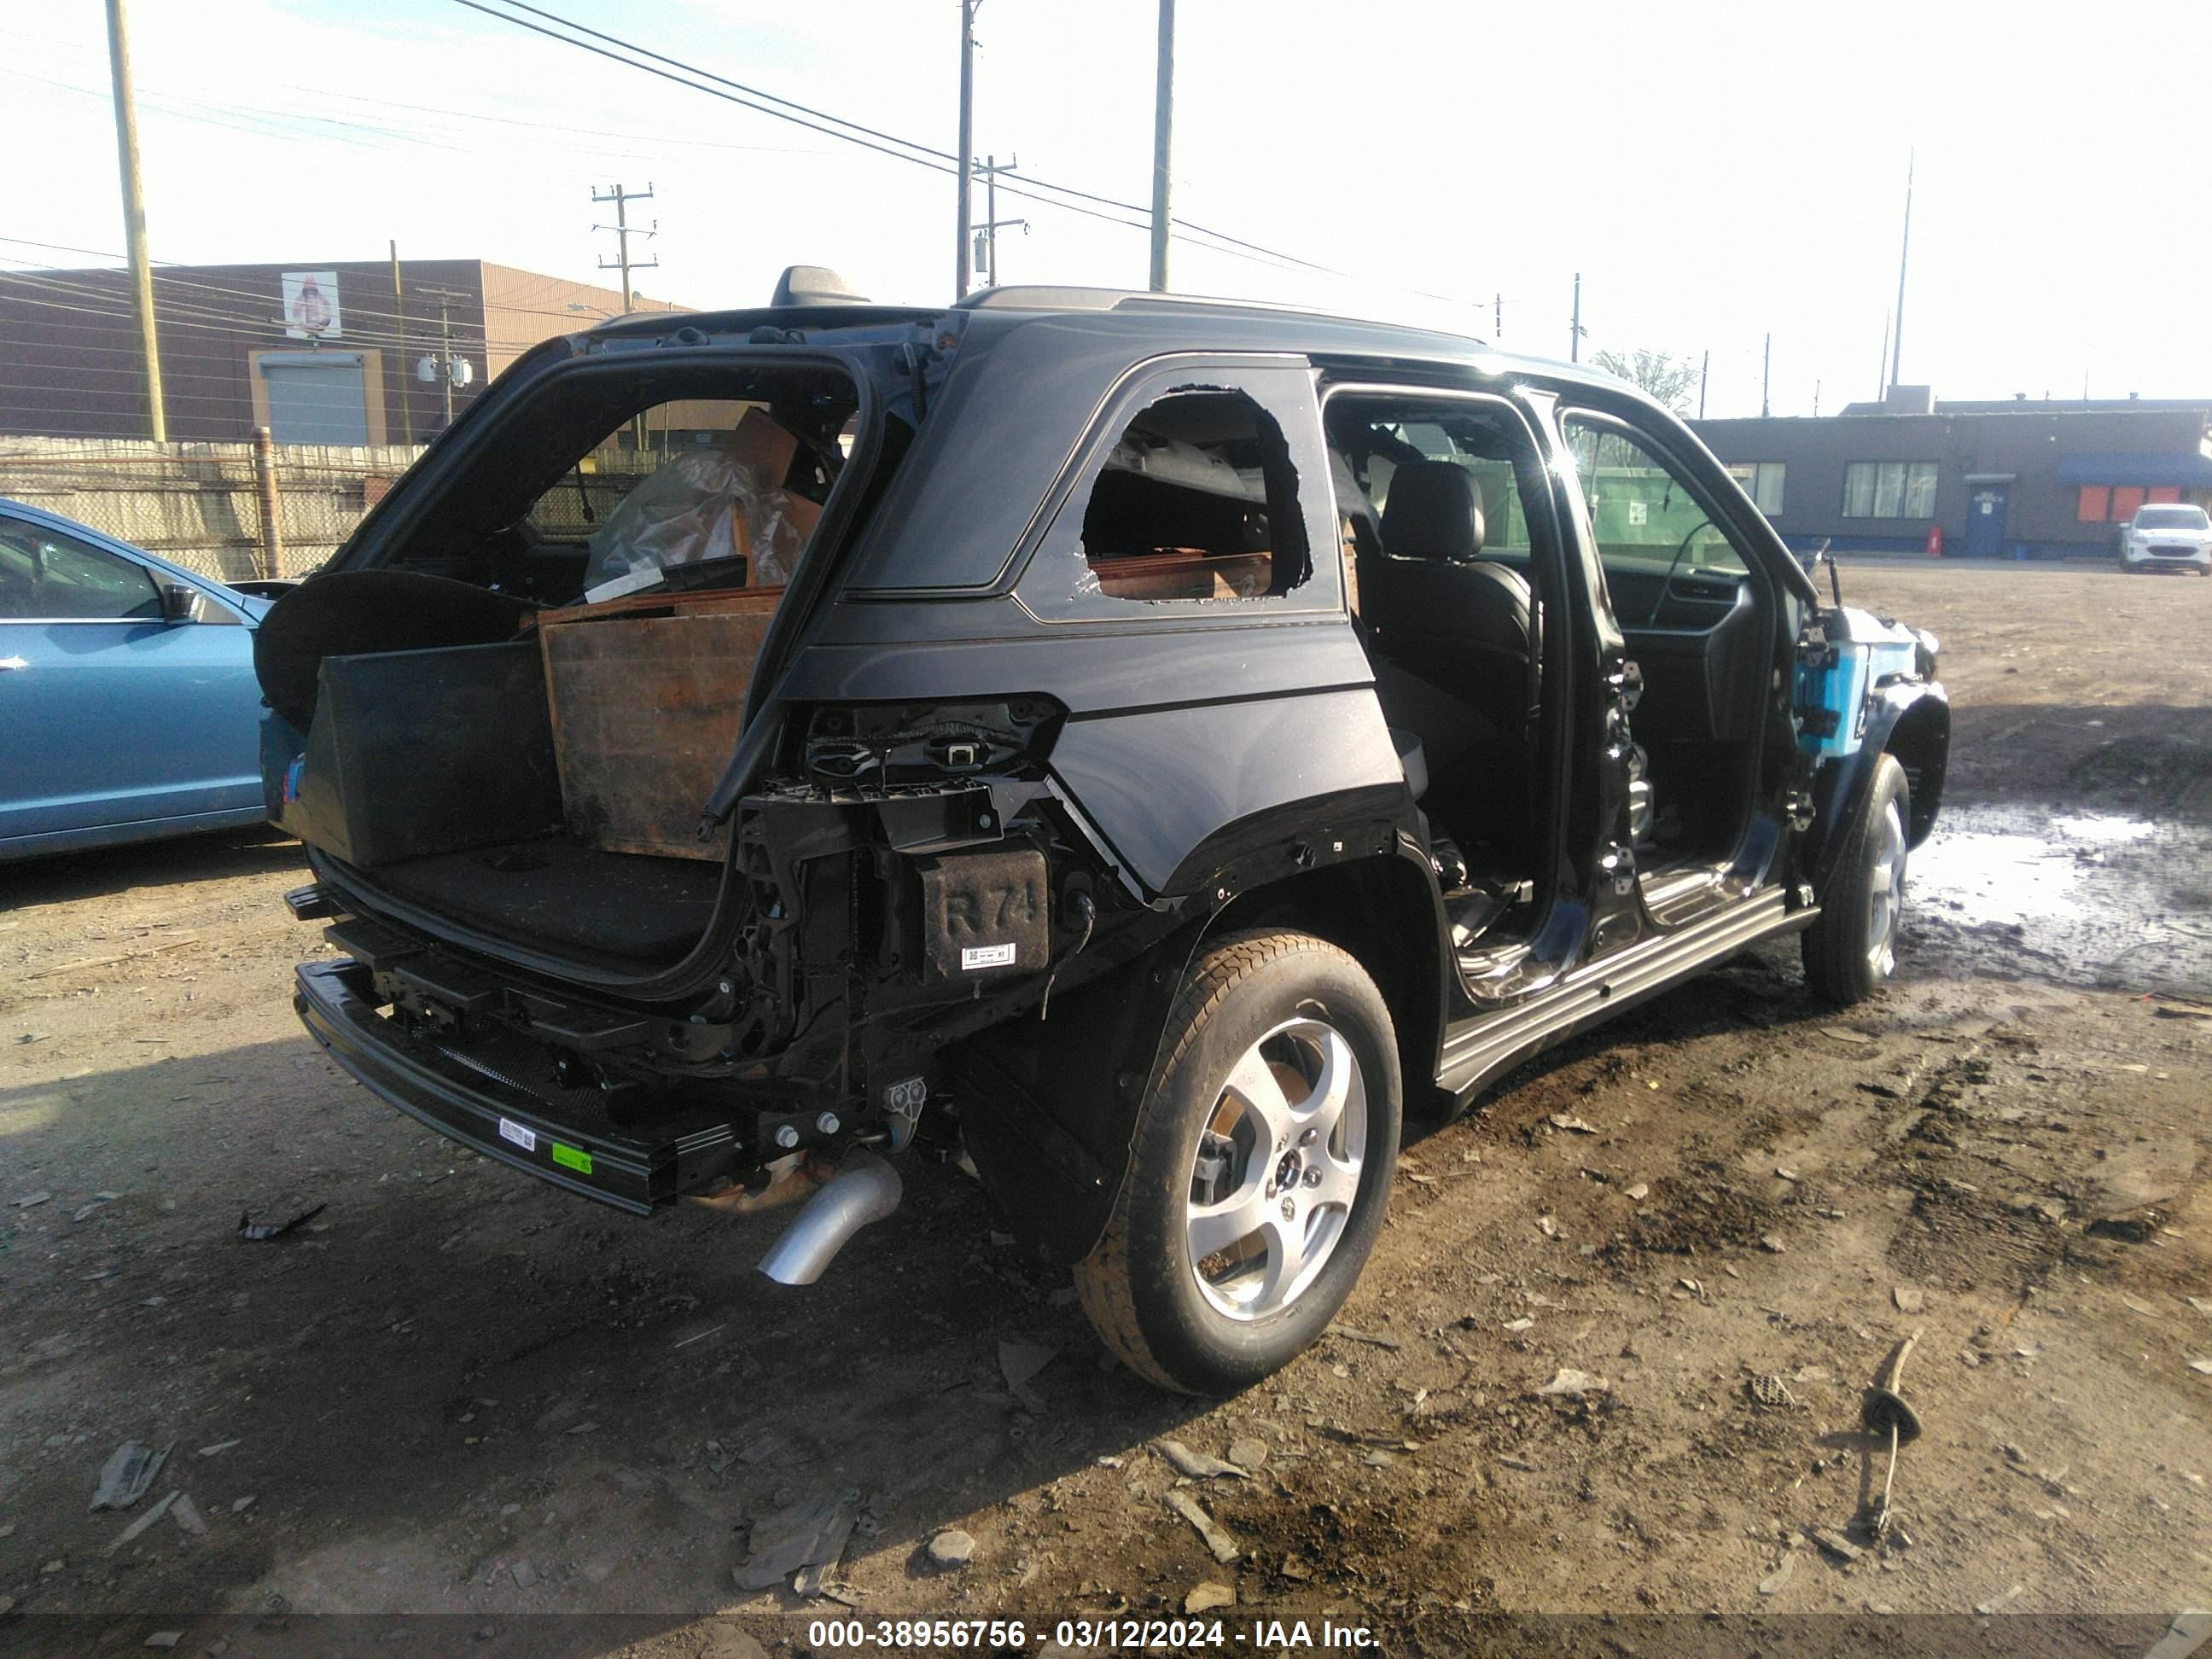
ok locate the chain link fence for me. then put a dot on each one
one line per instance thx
(199, 505)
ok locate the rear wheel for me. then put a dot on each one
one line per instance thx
(1852, 949)
(1259, 1170)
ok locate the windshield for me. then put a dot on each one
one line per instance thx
(2172, 517)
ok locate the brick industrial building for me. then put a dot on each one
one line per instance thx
(2020, 478)
(322, 354)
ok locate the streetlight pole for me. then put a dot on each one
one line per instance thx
(1904, 252)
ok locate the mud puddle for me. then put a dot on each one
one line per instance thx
(2084, 898)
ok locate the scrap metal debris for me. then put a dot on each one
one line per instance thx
(256, 1232)
(1885, 1409)
(1768, 1389)
(1018, 1362)
(1374, 1339)
(1223, 1545)
(128, 1476)
(142, 1523)
(1198, 1465)
(812, 1533)
(1837, 1545)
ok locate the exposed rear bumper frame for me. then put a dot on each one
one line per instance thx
(337, 1003)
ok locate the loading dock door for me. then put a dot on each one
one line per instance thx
(316, 396)
(1985, 520)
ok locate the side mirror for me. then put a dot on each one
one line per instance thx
(179, 604)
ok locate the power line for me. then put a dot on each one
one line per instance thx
(907, 150)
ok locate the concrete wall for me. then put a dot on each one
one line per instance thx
(195, 504)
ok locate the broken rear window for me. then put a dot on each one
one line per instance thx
(1197, 499)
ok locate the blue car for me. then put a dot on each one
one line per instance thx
(128, 705)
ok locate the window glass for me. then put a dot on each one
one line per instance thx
(1645, 520)
(1763, 482)
(1197, 499)
(2170, 518)
(45, 576)
(1889, 489)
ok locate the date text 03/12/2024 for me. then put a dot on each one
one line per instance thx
(1087, 1635)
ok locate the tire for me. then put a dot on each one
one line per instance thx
(1851, 950)
(1261, 1016)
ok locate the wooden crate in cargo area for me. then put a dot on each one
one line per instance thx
(647, 696)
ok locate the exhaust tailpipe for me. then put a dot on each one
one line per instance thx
(865, 1190)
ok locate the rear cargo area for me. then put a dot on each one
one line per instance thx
(518, 742)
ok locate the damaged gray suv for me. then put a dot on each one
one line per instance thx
(1140, 749)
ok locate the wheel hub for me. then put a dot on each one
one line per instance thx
(1278, 1170)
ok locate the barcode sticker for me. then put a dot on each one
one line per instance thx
(987, 956)
(526, 1138)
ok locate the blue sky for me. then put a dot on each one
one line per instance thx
(1713, 172)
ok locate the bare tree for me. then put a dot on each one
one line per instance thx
(1670, 382)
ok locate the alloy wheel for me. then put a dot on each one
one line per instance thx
(1278, 1170)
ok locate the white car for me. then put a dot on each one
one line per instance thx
(2168, 536)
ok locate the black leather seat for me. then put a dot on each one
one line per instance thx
(1435, 607)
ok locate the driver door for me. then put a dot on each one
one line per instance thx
(1689, 602)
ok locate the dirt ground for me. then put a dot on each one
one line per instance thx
(459, 1392)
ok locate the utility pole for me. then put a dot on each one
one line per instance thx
(1497, 318)
(134, 220)
(987, 233)
(623, 231)
(1905, 248)
(1704, 369)
(445, 297)
(399, 318)
(1816, 400)
(1882, 369)
(1163, 144)
(967, 145)
(1765, 378)
(1575, 335)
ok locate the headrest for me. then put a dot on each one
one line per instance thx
(1434, 513)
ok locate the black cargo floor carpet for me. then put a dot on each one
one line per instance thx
(548, 892)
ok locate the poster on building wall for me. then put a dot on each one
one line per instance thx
(311, 305)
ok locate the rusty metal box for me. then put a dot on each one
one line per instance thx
(647, 699)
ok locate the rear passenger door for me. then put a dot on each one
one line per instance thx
(113, 713)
